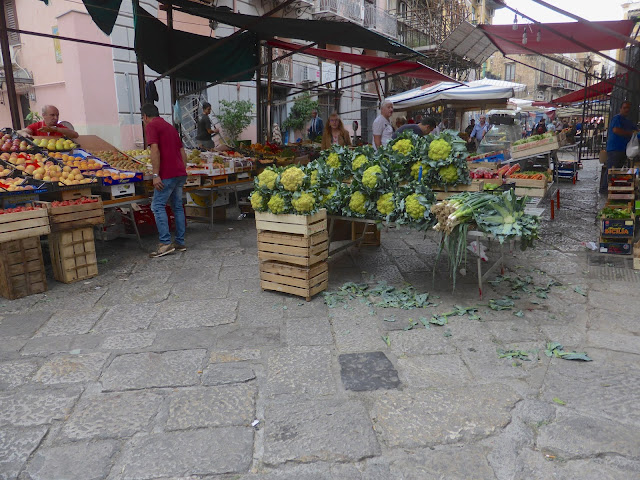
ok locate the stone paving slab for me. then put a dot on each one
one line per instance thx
(195, 313)
(300, 370)
(44, 346)
(89, 461)
(36, 407)
(147, 370)
(225, 373)
(222, 406)
(15, 447)
(225, 356)
(16, 373)
(71, 368)
(361, 372)
(450, 463)
(426, 371)
(198, 290)
(128, 341)
(126, 318)
(22, 324)
(327, 430)
(249, 337)
(111, 415)
(70, 322)
(206, 451)
(308, 331)
(434, 417)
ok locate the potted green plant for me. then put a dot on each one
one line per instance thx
(234, 118)
(300, 114)
(33, 116)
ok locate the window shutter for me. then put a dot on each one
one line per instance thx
(12, 21)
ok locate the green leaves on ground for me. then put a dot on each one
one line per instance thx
(501, 304)
(519, 354)
(519, 313)
(558, 401)
(555, 349)
(387, 340)
(382, 295)
(579, 290)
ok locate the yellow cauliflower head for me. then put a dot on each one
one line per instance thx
(449, 174)
(403, 146)
(356, 203)
(333, 160)
(314, 177)
(439, 149)
(303, 204)
(276, 204)
(413, 207)
(370, 176)
(359, 161)
(415, 169)
(267, 179)
(385, 204)
(291, 179)
(257, 201)
(332, 192)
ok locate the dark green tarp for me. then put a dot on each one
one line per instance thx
(319, 31)
(155, 50)
(103, 13)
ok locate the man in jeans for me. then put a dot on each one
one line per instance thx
(168, 160)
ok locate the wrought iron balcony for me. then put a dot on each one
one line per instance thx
(281, 70)
(348, 10)
(380, 21)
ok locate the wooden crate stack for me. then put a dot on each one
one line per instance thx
(70, 217)
(73, 255)
(621, 184)
(293, 251)
(21, 265)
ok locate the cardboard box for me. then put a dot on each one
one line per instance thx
(616, 247)
(617, 228)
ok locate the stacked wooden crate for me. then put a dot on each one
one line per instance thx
(21, 265)
(621, 184)
(72, 242)
(293, 251)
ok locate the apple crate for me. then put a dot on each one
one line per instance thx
(301, 281)
(70, 217)
(73, 255)
(22, 270)
(305, 225)
(19, 225)
(293, 249)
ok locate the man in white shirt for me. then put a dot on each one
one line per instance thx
(382, 129)
(480, 129)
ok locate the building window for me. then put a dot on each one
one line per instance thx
(510, 72)
(12, 21)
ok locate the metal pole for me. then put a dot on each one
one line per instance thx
(584, 113)
(269, 90)
(141, 85)
(172, 78)
(8, 72)
(336, 91)
(259, 128)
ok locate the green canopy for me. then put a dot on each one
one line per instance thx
(103, 13)
(161, 50)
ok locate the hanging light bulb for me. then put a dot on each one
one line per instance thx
(524, 37)
(538, 35)
(515, 22)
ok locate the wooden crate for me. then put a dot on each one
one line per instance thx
(22, 268)
(19, 225)
(442, 194)
(293, 249)
(305, 225)
(115, 192)
(73, 255)
(528, 182)
(71, 217)
(74, 194)
(303, 282)
(531, 192)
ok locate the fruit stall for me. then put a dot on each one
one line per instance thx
(425, 183)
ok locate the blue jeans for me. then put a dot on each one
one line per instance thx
(171, 192)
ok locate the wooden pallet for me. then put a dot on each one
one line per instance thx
(73, 255)
(71, 217)
(305, 225)
(293, 249)
(19, 225)
(303, 282)
(22, 270)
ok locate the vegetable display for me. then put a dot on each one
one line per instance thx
(615, 213)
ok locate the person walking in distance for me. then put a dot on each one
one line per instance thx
(168, 160)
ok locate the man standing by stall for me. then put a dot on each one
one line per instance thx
(479, 130)
(168, 160)
(49, 125)
(316, 127)
(205, 129)
(620, 131)
(382, 129)
(425, 127)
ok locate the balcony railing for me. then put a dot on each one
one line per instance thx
(281, 70)
(351, 10)
(380, 21)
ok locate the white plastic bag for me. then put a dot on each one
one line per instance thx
(177, 118)
(478, 250)
(633, 147)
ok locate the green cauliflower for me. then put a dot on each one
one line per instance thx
(258, 201)
(267, 179)
(449, 174)
(439, 149)
(304, 203)
(356, 203)
(276, 204)
(291, 179)
(358, 162)
(385, 204)
(370, 176)
(327, 197)
(403, 146)
(333, 160)
(314, 177)
(415, 170)
(413, 207)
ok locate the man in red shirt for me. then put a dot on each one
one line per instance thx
(49, 125)
(168, 160)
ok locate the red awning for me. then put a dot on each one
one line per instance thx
(502, 35)
(597, 89)
(416, 70)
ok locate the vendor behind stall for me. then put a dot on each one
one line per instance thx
(49, 125)
(205, 130)
(620, 131)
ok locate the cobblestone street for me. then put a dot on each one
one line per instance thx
(181, 367)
